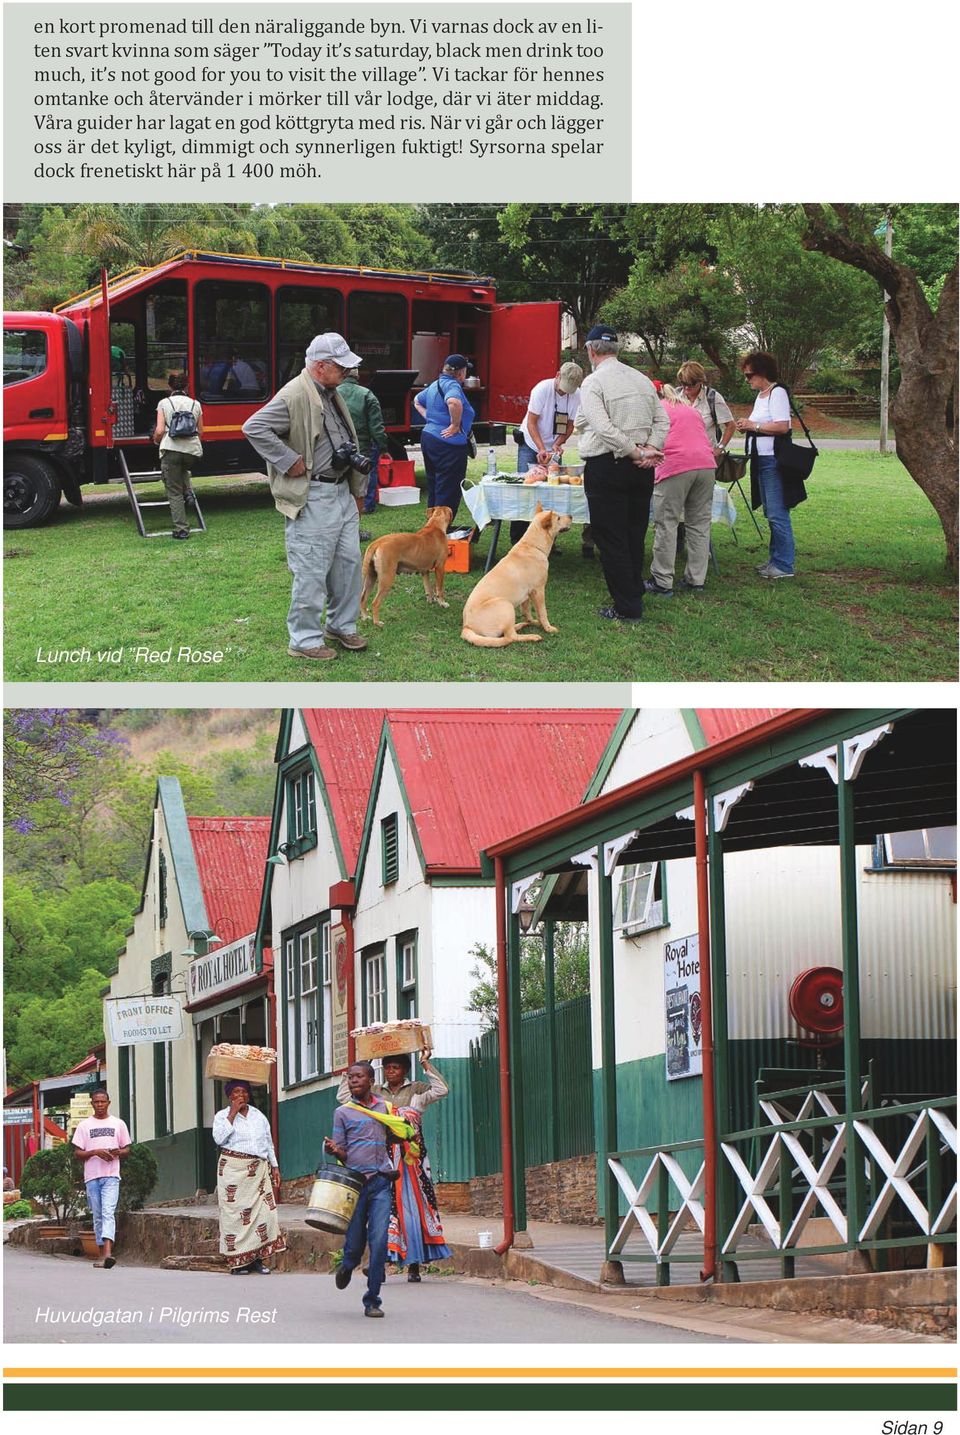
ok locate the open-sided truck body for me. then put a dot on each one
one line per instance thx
(85, 380)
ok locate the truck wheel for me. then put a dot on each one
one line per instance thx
(31, 491)
(396, 448)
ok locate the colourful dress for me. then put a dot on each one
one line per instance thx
(415, 1235)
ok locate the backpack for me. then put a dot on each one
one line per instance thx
(183, 422)
(712, 401)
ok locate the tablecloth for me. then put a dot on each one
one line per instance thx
(493, 502)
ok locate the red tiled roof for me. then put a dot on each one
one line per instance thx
(231, 853)
(720, 723)
(474, 776)
(345, 741)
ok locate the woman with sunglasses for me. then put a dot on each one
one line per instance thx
(711, 406)
(769, 485)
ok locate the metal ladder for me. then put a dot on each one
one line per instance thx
(153, 476)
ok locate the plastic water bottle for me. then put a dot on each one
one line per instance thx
(491, 461)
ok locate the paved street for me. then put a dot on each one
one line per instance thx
(142, 1304)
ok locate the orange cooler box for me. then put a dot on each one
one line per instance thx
(458, 556)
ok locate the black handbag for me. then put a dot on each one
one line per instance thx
(792, 458)
(731, 467)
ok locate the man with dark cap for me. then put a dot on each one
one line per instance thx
(306, 435)
(620, 431)
(444, 443)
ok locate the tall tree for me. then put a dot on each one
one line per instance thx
(572, 252)
(926, 338)
(387, 236)
(794, 303)
(576, 253)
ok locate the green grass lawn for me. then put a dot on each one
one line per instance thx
(872, 600)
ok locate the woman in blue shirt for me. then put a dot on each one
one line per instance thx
(449, 419)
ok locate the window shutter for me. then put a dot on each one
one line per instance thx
(390, 847)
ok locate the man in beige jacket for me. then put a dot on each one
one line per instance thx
(305, 433)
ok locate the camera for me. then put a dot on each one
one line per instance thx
(347, 455)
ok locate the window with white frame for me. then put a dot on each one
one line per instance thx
(290, 1004)
(640, 898)
(407, 974)
(921, 847)
(326, 1003)
(309, 996)
(306, 1025)
(301, 811)
(374, 987)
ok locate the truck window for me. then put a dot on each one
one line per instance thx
(301, 314)
(24, 355)
(232, 325)
(377, 325)
(165, 321)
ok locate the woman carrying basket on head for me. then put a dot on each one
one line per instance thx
(248, 1182)
(415, 1236)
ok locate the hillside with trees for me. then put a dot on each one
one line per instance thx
(79, 793)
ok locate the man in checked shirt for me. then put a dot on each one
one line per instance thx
(620, 428)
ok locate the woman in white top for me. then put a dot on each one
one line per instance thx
(769, 485)
(248, 1183)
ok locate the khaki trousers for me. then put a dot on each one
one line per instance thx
(687, 497)
(175, 470)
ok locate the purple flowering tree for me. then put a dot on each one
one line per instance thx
(47, 752)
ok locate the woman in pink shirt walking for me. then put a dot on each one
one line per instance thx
(682, 492)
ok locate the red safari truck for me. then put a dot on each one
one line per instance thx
(84, 381)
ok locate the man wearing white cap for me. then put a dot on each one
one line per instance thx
(307, 437)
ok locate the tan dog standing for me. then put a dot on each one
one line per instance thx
(489, 617)
(423, 552)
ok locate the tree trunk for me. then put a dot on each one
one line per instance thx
(924, 415)
(928, 344)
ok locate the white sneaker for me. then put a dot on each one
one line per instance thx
(772, 571)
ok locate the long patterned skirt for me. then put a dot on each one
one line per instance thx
(416, 1234)
(249, 1224)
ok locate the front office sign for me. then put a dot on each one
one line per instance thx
(683, 1013)
(132, 1021)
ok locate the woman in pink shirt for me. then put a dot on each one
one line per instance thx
(682, 493)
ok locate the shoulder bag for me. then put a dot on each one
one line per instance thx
(793, 459)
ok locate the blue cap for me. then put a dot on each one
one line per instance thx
(601, 331)
(456, 361)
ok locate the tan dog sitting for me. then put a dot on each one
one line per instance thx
(423, 552)
(489, 617)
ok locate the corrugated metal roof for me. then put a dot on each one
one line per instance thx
(473, 776)
(720, 723)
(345, 741)
(231, 853)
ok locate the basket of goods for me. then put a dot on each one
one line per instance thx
(391, 1038)
(231, 1061)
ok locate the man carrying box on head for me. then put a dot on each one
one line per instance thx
(102, 1141)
